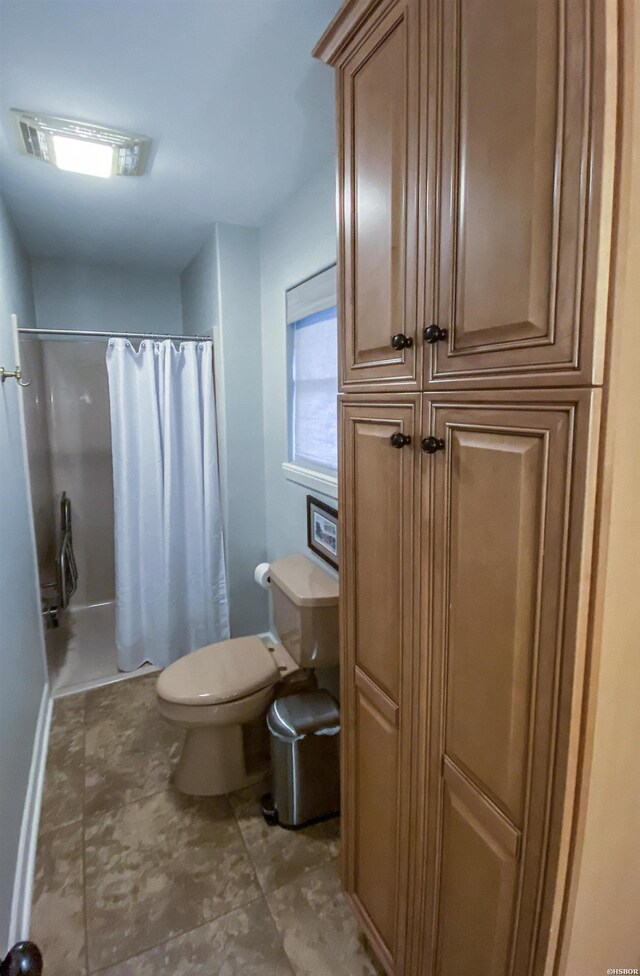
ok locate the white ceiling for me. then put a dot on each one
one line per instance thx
(239, 112)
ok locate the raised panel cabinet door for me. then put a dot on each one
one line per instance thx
(377, 579)
(504, 510)
(520, 200)
(378, 118)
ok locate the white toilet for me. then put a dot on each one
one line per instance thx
(216, 692)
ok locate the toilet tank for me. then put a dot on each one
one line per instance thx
(305, 611)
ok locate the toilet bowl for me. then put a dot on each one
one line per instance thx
(220, 692)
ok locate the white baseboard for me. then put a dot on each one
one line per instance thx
(25, 866)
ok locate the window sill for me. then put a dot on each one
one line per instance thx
(326, 484)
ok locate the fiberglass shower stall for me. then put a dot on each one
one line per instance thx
(70, 451)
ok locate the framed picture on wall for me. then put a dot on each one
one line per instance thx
(322, 530)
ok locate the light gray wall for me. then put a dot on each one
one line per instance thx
(105, 298)
(298, 241)
(21, 645)
(221, 292)
(239, 341)
(199, 290)
(236, 286)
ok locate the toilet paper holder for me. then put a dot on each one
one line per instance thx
(262, 576)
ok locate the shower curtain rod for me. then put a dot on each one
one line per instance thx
(112, 335)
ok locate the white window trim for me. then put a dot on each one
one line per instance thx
(314, 294)
(326, 484)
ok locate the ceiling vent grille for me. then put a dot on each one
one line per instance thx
(34, 145)
(36, 134)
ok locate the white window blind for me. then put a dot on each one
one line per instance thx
(314, 373)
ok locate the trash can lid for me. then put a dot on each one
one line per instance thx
(309, 713)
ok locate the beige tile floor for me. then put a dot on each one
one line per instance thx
(134, 879)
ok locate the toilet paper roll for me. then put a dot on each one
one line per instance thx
(261, 576)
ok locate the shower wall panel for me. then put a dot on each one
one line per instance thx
(36, 403)
(81, 463)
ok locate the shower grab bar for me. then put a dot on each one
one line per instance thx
(67, 566)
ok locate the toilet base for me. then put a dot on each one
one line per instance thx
(213, 763)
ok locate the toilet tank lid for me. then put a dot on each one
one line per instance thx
(303, 582)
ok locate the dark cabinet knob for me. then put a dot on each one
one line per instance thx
(25, 959)
(401, 341)
(432, 444)
(433, 333)
(400, 440)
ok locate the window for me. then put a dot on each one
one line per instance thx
(314, 386)
(313, 381)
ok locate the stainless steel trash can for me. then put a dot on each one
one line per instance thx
(305, 759)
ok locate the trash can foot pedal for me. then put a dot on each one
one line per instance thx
(269, 811)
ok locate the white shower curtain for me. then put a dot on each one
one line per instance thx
(171, 592)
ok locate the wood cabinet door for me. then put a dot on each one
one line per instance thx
(520, 200)
(378, 89)
(377, 581)
(508, 502)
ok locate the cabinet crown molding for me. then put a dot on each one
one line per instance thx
(346, 23)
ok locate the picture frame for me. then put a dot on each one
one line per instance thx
(322, 530)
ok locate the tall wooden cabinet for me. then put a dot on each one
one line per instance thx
(474, 199)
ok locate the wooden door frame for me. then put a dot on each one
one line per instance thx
(596, 916)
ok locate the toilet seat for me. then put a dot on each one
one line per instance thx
(238, 711)
(219, 674)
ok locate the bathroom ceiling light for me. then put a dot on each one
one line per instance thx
(80, 147)
(82, 156)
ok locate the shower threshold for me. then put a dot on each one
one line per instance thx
(81, 652)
